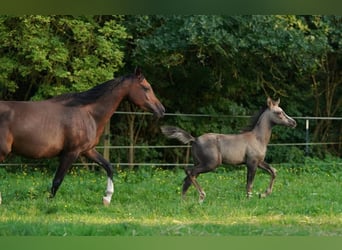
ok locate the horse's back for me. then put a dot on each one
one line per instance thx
(226, 148)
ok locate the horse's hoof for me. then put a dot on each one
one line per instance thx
(202, 197)
(106, 201)
(261, 196)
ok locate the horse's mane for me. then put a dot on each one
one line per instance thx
(254, 119)
(91, 95)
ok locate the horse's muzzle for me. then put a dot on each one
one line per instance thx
(292, 123)
(157, 109)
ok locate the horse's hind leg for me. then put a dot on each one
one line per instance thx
(188, 180)
(186, 184)
(65, 162)
(201, 192)
(272, 171)
(193, 174)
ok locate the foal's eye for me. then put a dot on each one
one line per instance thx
(277, 112)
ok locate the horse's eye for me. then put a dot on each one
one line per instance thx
(278, 112)
(145, 88)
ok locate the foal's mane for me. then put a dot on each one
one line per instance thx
(254, 119)
(91, 95)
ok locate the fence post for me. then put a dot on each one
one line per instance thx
(307, 137)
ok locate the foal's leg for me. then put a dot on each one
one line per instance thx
(273, 172)
(186, 184)
(188, 180)
(65, 162)
(194, 173)
(98, 158)
(251, 171)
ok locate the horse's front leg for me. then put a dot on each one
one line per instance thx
(65, 162)
(98, 158)
(251, 171)
(273, 173)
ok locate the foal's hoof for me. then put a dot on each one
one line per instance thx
(106, 201)
(261, 196)
(202, 197)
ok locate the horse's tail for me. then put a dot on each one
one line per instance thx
(177, 133)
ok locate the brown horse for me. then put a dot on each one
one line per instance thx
(70, 125)
(249, 147)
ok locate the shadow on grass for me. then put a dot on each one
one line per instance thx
(15, 228)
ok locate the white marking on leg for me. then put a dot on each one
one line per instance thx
(109, 192)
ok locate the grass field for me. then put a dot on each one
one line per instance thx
(306, 200)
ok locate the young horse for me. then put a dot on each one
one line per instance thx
(249, 147)
(70, 125)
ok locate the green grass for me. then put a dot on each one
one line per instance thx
(306, 200)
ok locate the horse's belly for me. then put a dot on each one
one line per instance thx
(35, 149)
(233, 157)
(41, 143)
(233, 151)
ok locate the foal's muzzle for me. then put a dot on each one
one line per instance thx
(292, 123)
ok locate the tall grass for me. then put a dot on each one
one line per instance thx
(306, 200)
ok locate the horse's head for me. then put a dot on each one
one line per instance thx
(142, 95)
(277, 114)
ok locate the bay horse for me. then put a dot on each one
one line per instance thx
(70, 125)
(249, 147)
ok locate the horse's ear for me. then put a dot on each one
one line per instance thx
(269, 102)
(137, 72)
(277, 102)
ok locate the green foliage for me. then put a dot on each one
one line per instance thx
(45, 56)
(210, 63)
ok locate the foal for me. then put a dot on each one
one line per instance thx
(249, 147)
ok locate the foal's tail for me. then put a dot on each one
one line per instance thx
(177, 133)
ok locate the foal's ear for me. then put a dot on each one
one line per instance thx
(271, 103)
(277, 102)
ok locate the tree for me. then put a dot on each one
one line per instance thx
(43, 56)
(228, 64)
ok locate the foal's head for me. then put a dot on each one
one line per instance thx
(142, 95)
(277, 114)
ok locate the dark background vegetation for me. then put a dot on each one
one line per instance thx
(199, 64)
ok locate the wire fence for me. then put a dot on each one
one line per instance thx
(306, 144)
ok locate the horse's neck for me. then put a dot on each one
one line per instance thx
(105, 107)
(263, 129)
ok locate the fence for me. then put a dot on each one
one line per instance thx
(306, 143)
